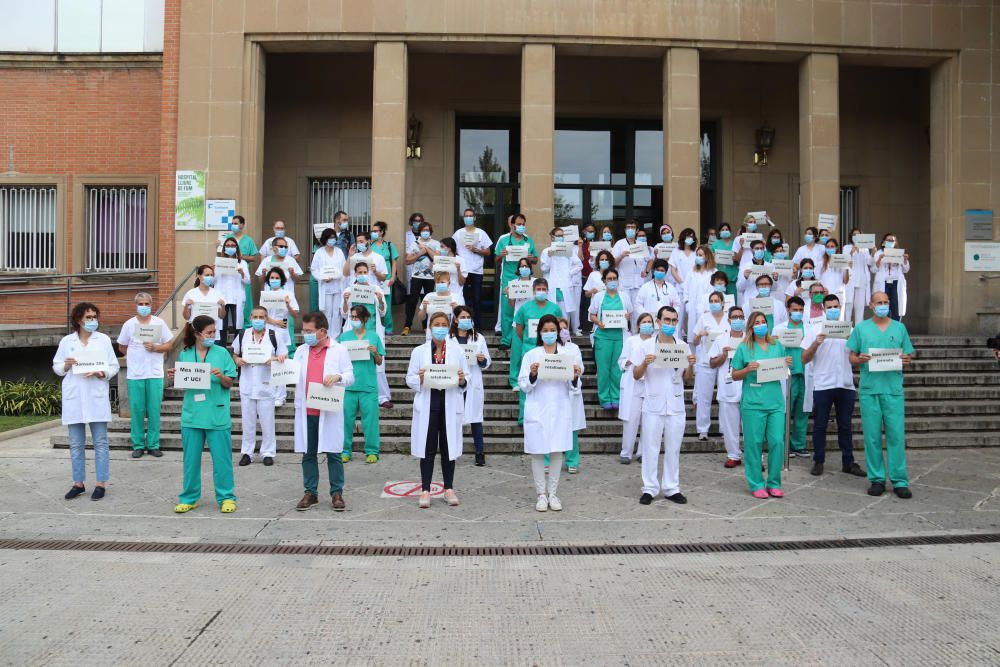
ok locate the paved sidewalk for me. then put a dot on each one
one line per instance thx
(954, 491)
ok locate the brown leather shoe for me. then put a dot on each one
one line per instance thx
(308, 500)
(338, 502)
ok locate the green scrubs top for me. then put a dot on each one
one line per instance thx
(766, 396)
(246, 244)
(796, 352)
(364, 371)
(389, 254)
(731, 270)
(610, 303)
(532, 310)
(211, 411)
(509, 270)
(866, 336)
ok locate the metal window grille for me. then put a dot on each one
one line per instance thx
(848, 212)
(352, 195)
(27, 227)
(116, 227)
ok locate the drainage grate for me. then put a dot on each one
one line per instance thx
(529, 550)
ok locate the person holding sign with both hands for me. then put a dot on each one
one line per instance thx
(200, 299)
(253, 351)
(610, 311)
(206, 377)
(478, 359)
(367, 353)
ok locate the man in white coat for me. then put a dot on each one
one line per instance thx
(321, 361)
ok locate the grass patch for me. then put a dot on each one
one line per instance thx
(10, 423)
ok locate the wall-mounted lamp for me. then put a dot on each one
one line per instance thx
(413, 138)
(765, 138)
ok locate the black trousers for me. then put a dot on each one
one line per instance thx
(437, 438)
(473, 293)
(418, 288)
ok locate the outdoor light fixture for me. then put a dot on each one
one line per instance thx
(765, 138)
(413, 138)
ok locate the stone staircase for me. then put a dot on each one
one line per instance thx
(952, 400)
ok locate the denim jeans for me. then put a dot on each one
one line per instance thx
(477, 436)
(473, 293)
(77, 450)
(843, 401)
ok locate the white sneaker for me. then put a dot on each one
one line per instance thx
(543, 504)
(578, 332)
(554, 504)
(278, 402)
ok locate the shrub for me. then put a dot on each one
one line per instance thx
(30, 398)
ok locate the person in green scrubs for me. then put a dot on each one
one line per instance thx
(508, 272)
(205, 418)
(725, 242)
(607, 340)
(528, 313)
(362, 396)
(762, 408)
(250, 253)
(881, 396)
(799, 418)
(390, 254)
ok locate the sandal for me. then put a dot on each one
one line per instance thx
(228, 506)
(181, 508)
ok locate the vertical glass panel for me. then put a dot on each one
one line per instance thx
(122, 25)
(481, 200)
(607, 207)
(79, 26)
(27, 26)
(567, 206)
(484, 156)
(649, 157)
(647, 207)
(705, 158)
(583, 156)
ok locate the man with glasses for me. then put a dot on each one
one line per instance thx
(279, 233)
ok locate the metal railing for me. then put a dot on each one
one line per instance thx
(350, 194)
(116, 228)
(172, 299)
(27, 227)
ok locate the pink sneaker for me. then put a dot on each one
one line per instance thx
(760, 493)
(776, 493)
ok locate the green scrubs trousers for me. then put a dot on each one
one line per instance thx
(220, 446)
(799, 420)
(760, 426)
(506, 316)
(516, 354)
(144, 400)
(387, 318)
(607, 349)
(310, 461)
(367, 403)
(878, 410)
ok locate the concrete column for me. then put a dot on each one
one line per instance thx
(251, 199)
(389, 110)
(681, 139)
(819, 137)
(538, 97)
(945, 261)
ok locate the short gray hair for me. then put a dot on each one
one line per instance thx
(143, 295)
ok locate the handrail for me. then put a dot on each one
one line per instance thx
(983, 277)
(172, 299)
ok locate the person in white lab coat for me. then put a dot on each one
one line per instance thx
(778, 312)
(630, 269)
(438, 414)
(566, 344)
(729, 391)
(859, 289)
(632, 390)
(322, 360)
(328, 269)
(279, 233)
(812, 249)
(710, 326)
(891, 278)
(559, 271)
(657, 292)
(204, 291)
(835, 280)
(458, 272)
(548, 412)
(279, 320)
(662, 411)
(463, 331)
(595, 281)
(256, 393)
(697, 286)
(806, 277)
(233, 287)
(85, 396)
(682, 261)
(747, 281)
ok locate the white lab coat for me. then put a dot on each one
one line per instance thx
(85, 399)
(454, 399)
(548, 407)
(861, 272)
(558, 271)
(630, 389)
(475, 393)
(322, 258)
(895, 272)
(579, 413)
(331, 424)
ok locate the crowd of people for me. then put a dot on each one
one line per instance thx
(764, 332)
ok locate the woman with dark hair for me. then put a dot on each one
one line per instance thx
(548, 412)
(85, 394)
(608, 308)
(420, 257)
(205, 291)
(328, 269)
(205, 417)
(725, 242)
(458, 273)
(367, 353)
(526, 318)
(477, 355)
(595, 281)
(232, 286)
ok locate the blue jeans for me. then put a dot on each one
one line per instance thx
(473, 293)
(477, 436)
(893, 293)
(78, 448)
(843, 400)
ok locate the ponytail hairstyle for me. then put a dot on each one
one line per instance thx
(201, 271)
(196, 326)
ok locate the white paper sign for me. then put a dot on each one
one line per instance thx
(724, 257)
(89, 361)
(864, 241)
(982, 256)
(750, 237)
(837, 329)
(363, 294)
(757, 270)
(598, 246)
(665, 252)
(671, 355)
(357, 349)
(555, 367)
(438, 304)
(772, 370)
(226, 265)
(762, 304)
(570, 233)
(470, 239)
(516, 253)
(325, 399)
(205, 308)
(614, 319)
(760, 217)
(638, 250)
(471, 351)
(256, 353)
(885, 359)
(826, 221)
(273, 300)
(839, 261)
(734, 342)
(560, 249)
(531, 333)
(330, 272)
(791, 337)
(519, 289)
(284, 372)
(893, 255)
(783, 267)
(358, 258)
(318, 229)
(192, 375)
(445, 264)
(148, 333)
(441, 376)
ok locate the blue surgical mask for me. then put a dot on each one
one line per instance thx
(689, 241)
(646, 328)
(519, 229)
(881, 311)
(630, 233)
(361, 279)
(524, 271)
(700, 261)
(233, 227)
(737, 325)
(725, 233)
(604, 264)
(230, 250)
(641, 239)
(439, 333)
(667, 238)
(469, 220)
(808, 273)
(833, 313)
(258, 324)
(550, 337)
(659, 274)
(280, 234)
(589, 236)
(356, 324)
(779, 255)
(416, 225)
(344, 226)
(309, 339)
(208, 342)
(831, 251)
(90, 325)
(668, 329)
(751, 226)
(376, 236)
(282, 252)
(795, 315)
(275, 283)
(143, 311)
(541, 295)
(361, 247)
(808, 238)
(606, 236)
(823, 239)
(465, 324)
(760, 330)
(758, 254)
(208, 280)
(612, 285)
(425, 235)
(719, 287)
(890, 244)
(764, 291)
(441, 288)
(331, 242)
(715, 307)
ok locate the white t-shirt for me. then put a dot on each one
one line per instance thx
(629, 269)
(141, 364)
(472, 262)
(213, 297)
(816, 254)
(265, 248)
(831, 367)
(255, 379)
(288, 264)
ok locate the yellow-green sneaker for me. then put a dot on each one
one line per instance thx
(182, 508)
(346, 458)
(371, 458)
(228, 506)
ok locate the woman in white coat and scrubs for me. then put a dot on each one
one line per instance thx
(437, 413)
(85, 396)
(558, 271)
(327, 269)
(548, 412)
(859, 289)
(464, 333)
(891, 278)
(632, 390)
(711, 325)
